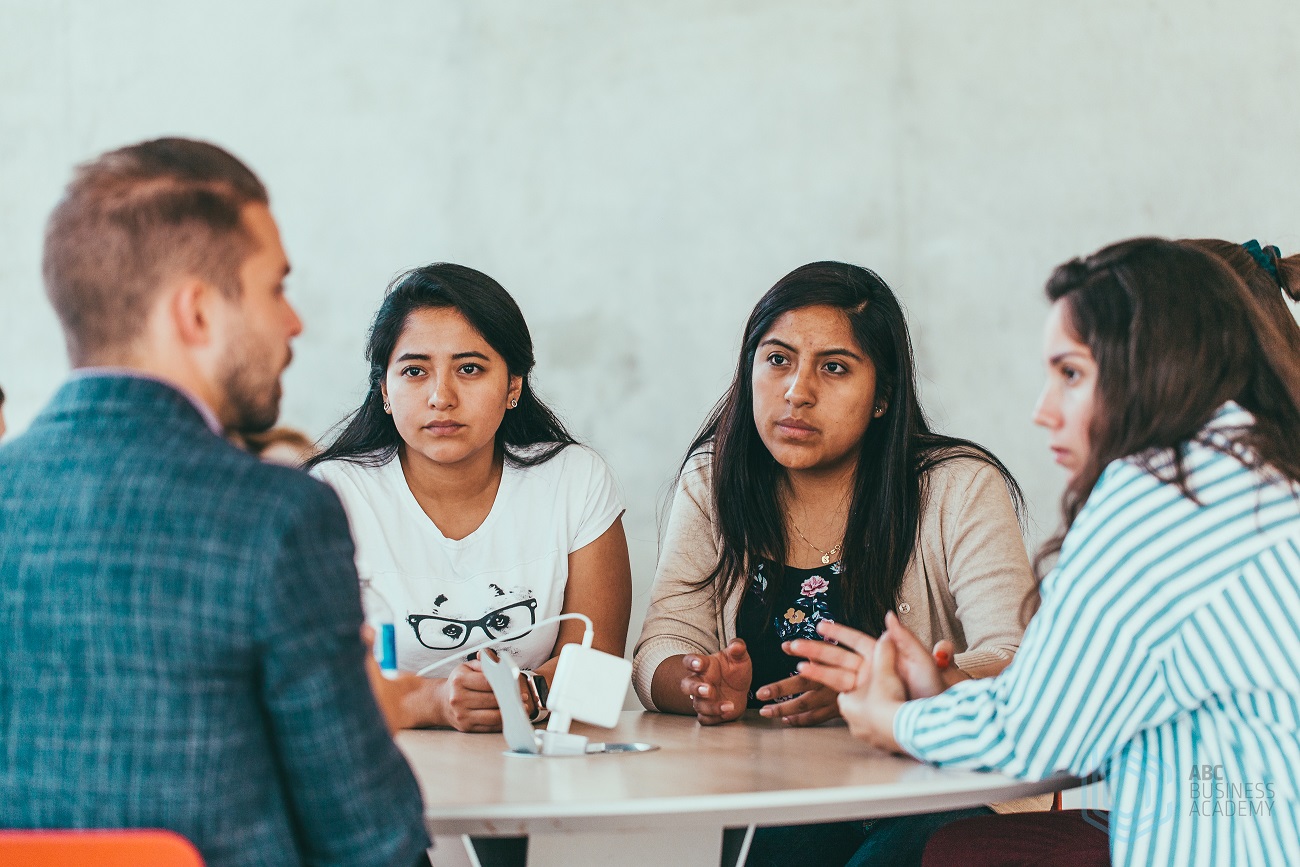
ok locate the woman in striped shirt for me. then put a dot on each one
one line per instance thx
(1166, 654)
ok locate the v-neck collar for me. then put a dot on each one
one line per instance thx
(508, 477)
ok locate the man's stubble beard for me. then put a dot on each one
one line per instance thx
(252, 391)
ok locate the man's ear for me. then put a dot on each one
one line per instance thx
(192, 310)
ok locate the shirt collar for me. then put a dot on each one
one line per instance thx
(209, 417)
(1230, 416)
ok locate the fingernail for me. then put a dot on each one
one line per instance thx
(704, 691)
(767, 711)
(727, 707)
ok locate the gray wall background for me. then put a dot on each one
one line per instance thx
(638, 174)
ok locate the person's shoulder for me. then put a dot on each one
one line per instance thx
(357, 472)
(573, 472)
(694, 480)
(577, 455)
(276, 482)
(1120, 507)
(15, 452)
(954, 472)
(217, 483)
(566, 461)
(365, 480)
(696, 474)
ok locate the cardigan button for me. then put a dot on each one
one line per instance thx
(904, 608)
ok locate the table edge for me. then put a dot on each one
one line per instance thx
(789, 807)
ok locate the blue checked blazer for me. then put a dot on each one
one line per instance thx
(179, 643)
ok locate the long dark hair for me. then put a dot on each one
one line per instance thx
(1175, 334)
(370, 438)
(894, 455)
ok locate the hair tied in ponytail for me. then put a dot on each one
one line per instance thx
(1265, 257)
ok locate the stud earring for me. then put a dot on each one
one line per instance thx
(880, 410)
(388, 407)
(514, 403)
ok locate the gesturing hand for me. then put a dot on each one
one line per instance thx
(718, 684)
(843, 665)
(809, 703)
(841, 662)
(870, 708)
(920, 669)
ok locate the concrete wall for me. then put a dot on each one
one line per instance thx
(638, 174)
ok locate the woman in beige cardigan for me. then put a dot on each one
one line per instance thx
(816, 491)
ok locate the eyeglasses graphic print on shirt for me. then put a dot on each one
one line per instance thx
(447, 633)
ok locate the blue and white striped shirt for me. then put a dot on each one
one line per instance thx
(1165, 657)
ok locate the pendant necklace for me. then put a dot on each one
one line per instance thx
(827, 556)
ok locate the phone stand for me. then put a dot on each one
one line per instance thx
(589, 687)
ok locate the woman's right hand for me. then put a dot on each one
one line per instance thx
(465, 702)
(717, 685)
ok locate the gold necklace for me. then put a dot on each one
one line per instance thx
(827, 556)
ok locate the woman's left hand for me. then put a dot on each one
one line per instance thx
(811, 702)
(871, 707)
(840, 662)
(843, 661)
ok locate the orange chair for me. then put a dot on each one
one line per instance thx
(125, 848)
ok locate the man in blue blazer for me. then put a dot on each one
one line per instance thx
(181, 623)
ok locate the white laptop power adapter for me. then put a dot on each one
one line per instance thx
(589, 687)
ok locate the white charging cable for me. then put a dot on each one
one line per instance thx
(744, 846)
(460, 655)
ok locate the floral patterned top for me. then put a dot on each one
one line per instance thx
(817, 598)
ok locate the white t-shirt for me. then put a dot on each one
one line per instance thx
(449, 595)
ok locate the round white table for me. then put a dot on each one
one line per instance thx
(670, 806)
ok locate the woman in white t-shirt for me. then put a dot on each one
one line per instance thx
(475, 513)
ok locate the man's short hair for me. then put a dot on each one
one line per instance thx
(134, 217)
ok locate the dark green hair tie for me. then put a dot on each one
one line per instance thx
(1262, 257)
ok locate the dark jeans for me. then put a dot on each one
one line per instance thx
(894, 840)
(900, 840)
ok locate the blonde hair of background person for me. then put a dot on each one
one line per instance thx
(286, 446)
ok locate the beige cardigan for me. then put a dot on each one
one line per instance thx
(967, 580)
